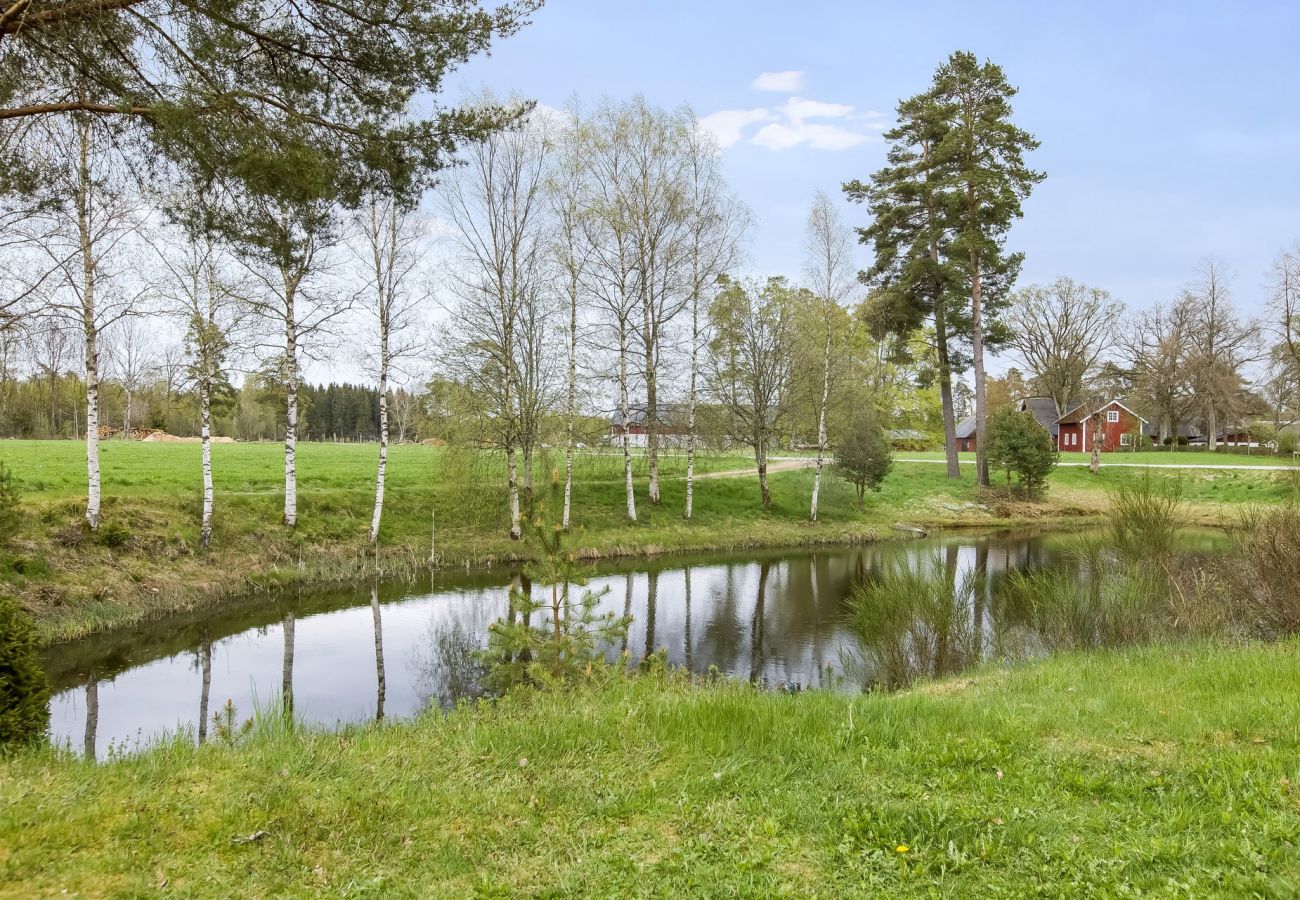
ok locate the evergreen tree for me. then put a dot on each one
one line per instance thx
(24, 693)
(911, 233)
(863, 456)
(316, 97)
(980, 161)
(1018, 445)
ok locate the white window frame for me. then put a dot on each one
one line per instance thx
(1112, 415)
(1125, 439)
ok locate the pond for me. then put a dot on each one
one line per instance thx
(351, 655)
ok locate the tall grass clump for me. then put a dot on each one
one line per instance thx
(1263, 570)
(915, 623)
(1144, 519)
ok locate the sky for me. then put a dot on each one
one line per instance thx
(1170, 131)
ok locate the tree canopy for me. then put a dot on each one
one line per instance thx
(318, 98)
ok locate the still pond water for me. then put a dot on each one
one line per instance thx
(346, 656)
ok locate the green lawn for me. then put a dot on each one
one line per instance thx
(1147, 458)
(145, 562)
(1168, 771)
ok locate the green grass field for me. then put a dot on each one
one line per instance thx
(1165, 771)
(1149, 458)
(145, 562)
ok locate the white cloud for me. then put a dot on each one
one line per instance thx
(728, 125)
(797, 109)
(781, 82)
(784, 135)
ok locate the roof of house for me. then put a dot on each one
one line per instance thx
(965, 428)
(1044, 411)
(1080, 412)
(669, 414)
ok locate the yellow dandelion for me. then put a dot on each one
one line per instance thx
(902, 848)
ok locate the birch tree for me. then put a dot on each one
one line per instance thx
(93, 223)
(572, 257)
(202, 293)
(287, 250)
(749, 363)
(717, 224)
(497, 209)
(830, 273)
(612, 264)
(131, 358)
(390, 244)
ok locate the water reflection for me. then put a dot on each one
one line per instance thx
(393, 650)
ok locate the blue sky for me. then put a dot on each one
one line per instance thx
(1170, 132)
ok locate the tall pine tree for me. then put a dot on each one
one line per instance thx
(982, 166)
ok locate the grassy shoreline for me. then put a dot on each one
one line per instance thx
(144, 563)
(1167, 770)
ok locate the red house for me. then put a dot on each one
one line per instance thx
(1077, 429)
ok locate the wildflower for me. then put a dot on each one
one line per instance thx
(902, 848)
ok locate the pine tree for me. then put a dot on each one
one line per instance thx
(981, 163)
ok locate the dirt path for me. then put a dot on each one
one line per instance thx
(779, 464)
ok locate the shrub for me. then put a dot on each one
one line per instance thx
(566, 644)
(1018, 445)
(24, 693)
(863, 457)
(10, 515)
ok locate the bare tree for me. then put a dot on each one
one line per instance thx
(749, 365)
(90, 227)
(132, 359)
(717, 224)
(831, 274)
(1285, 306)
(1061, 332)
(390, 243)
(1157, 345)
(572, 256)
(498, 211)
(1222, 342)
(286, 248)
(203, 294)
(611, 272)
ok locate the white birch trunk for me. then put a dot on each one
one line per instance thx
(383, 430)
(205, 434)
(512, 479)
(690, 409)
(572, 404)
(291, 411)
(623, 408)
(286, 684)
(205, 667)
(90, 331)
(821, 422)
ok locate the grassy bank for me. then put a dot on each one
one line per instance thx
(145, 562)
(1168, 770)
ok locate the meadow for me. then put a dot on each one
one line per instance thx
(145, 561)
(1167, 770)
